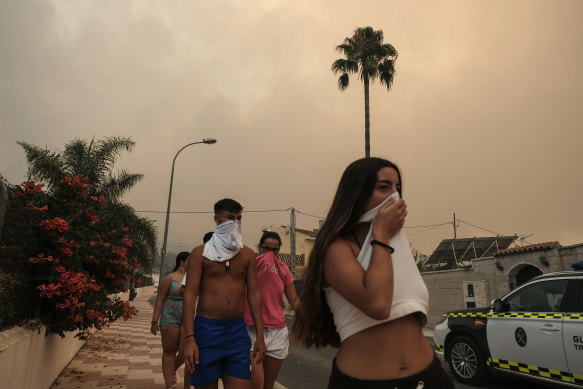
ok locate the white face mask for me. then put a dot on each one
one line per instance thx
(231, 230)
(368, 216)
(225, 242)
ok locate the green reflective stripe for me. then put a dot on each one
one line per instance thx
(439, 347)
(577, 378)
(534, 370)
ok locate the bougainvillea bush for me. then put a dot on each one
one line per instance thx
(75, 263)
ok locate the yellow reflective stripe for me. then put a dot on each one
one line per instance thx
(535, 370)
(573, 316)
(529, 315)
(466, 314)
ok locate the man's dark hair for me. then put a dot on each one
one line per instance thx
(207, 236)
(228, 205)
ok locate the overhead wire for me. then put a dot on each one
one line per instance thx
(247, 211)
(430, 225)
(470, 224)
(427, 227)
(307, 214)
(430, 228)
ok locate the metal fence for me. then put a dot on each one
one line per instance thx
(14, 266)
(17, 292)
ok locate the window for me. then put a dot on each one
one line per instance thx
(470, 290)
(544, 296)
(470, 304)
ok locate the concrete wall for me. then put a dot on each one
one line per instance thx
(28, 359)
(285, 234)
(145, 292)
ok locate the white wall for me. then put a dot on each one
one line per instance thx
(30, 360)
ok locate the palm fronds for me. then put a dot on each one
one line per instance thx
(43, 165)
(366, 55)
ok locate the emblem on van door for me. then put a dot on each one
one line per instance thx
(520, 336)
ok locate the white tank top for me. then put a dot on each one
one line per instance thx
(409, 291)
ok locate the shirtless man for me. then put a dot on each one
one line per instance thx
(217, 343)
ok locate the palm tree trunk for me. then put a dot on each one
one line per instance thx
(366, 118)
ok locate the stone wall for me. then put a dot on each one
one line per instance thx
(491, 278)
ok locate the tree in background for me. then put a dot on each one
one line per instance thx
(367, 55)
(67, 250)
(419, 260)
(64, 265)
(95, 161)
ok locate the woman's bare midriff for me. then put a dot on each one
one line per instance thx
(391, 350)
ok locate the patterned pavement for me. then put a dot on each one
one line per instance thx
(124, 356)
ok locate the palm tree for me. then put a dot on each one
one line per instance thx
(94, 160)
(144, 232)
(367, 55)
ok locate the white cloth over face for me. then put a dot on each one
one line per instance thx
(225, 242)
(409, 291)
(399, 241)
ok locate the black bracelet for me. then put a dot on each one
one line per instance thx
(373, 242)
(188, 336)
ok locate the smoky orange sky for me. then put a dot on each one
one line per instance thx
(484, 116)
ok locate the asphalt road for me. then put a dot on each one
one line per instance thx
(310, 368)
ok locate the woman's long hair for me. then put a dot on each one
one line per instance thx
(314, 324)
(183, 256)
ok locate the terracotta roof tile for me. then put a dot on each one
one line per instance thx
(529, 248)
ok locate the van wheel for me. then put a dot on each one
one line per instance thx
(466, 361)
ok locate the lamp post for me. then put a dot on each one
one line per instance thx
(208, 141)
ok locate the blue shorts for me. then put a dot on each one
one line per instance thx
(223, 349)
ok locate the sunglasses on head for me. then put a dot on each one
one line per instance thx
(274, 249)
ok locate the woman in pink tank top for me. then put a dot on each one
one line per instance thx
(274, 280)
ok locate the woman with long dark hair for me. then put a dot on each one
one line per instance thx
(362, 290)
(167, 318)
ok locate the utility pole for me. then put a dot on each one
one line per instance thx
(454, 231)
(292, 222)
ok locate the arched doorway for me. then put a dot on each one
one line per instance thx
(527, 273)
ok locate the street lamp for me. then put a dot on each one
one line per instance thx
(208, 141)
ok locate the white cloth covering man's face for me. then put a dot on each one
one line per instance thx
(226, 240)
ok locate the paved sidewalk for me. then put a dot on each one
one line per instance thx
(124, 356)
